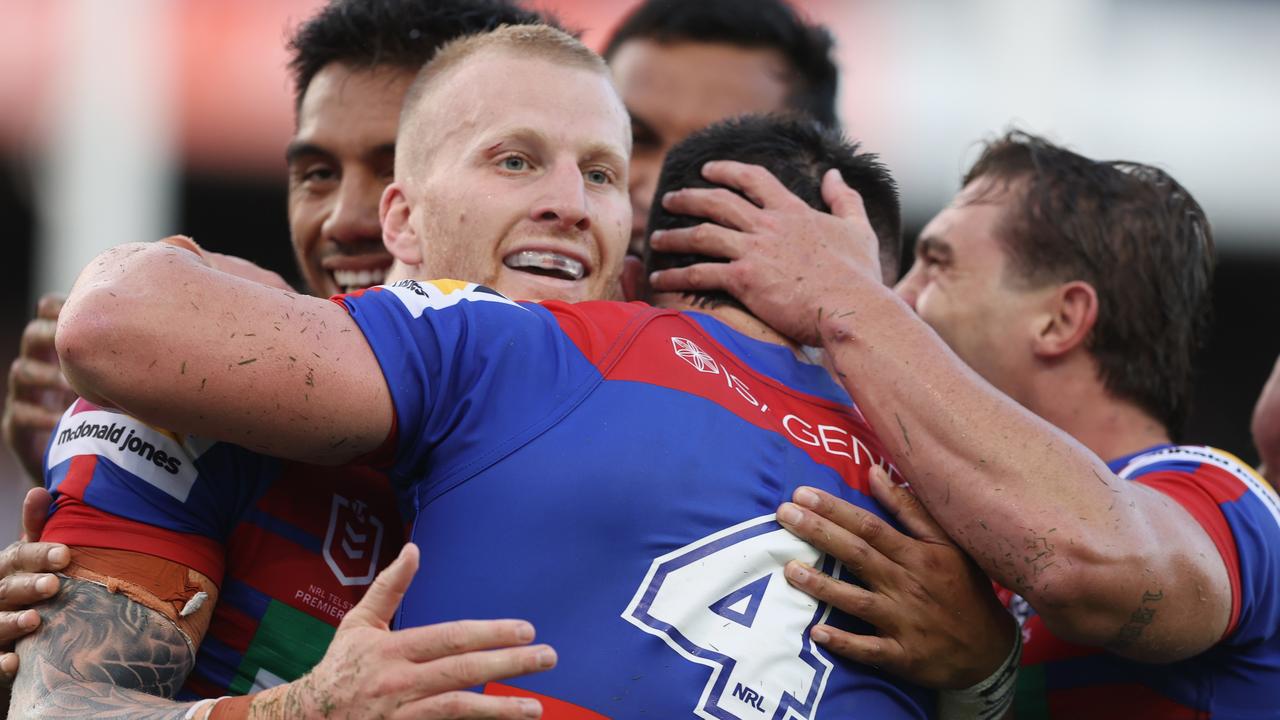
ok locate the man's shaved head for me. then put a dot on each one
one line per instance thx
(521, 42)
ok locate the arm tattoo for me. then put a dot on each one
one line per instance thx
(101, 655)
(1138, 621)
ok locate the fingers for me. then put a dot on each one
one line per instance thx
(905, 507)
(758, 184)
(50, 305)
(378, 606)
(21, 590)
(848, 598)
(703, 276)
(471, 705)
(35, 511)
(38, 340)
(705, 239)
(878, 652)
(854, 521)
(28, 377)
(844, 201)
(429, 642)
(8, 668)
(718, 205)
(15, 624)
(471, 669)
(33, 557)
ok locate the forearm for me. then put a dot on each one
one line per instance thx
(1040, 513)
(99, 654)
(152, 330)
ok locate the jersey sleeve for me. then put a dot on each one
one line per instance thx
(468, 371)
(121, 484)
(1241, 515)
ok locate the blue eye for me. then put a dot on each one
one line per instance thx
(513, 163)
(597, 177)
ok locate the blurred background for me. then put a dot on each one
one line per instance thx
(126, 120)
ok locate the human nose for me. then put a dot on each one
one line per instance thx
(908, 288)
(354, 218)
(563, 202)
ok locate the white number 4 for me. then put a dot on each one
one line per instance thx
(723, 602)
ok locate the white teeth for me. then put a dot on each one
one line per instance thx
(350, 280)
(554, 263)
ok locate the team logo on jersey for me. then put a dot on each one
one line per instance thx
(689, 351)
(353, 542)
(419, 297)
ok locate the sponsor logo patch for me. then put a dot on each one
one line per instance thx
(155, 456)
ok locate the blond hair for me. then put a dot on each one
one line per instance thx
(523, 41)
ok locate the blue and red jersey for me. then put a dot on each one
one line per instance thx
(291, 547)
(610, 472)
(1237, 679)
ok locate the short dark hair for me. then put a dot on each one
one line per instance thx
(399, 33)
(1133, 233)
(798, 151)
(769, 24)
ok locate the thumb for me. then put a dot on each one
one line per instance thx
(379, 604)
(35, 510)
(844, 201)
(904, 506)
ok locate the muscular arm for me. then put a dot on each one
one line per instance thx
(152, 329)
(101, 655)
(1105, 562)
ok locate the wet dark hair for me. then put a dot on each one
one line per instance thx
(798, 151)
(399, 33)
(768, 24)
(1136, 236)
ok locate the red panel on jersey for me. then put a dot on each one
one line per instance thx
(552, 709)
(1201, 494)
(78, 524)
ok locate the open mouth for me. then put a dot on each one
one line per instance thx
(547, 264)
(352, 280)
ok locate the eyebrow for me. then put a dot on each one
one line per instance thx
(934, 245)
(298, 150)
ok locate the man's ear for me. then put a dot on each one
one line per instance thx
(635, 285)
(398, 234)
(1069, 315)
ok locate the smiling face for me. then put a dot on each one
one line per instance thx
(340, 160)
(675, 89)
(516, 179)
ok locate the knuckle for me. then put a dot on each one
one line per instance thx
(453, 638)
(868, 527)
(454, 705)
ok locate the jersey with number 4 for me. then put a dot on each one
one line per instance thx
(610, 472)
(1236, 679)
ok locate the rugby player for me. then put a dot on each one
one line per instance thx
(678, 66)
(556, 188)
(353, 57)
(1145, 583)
